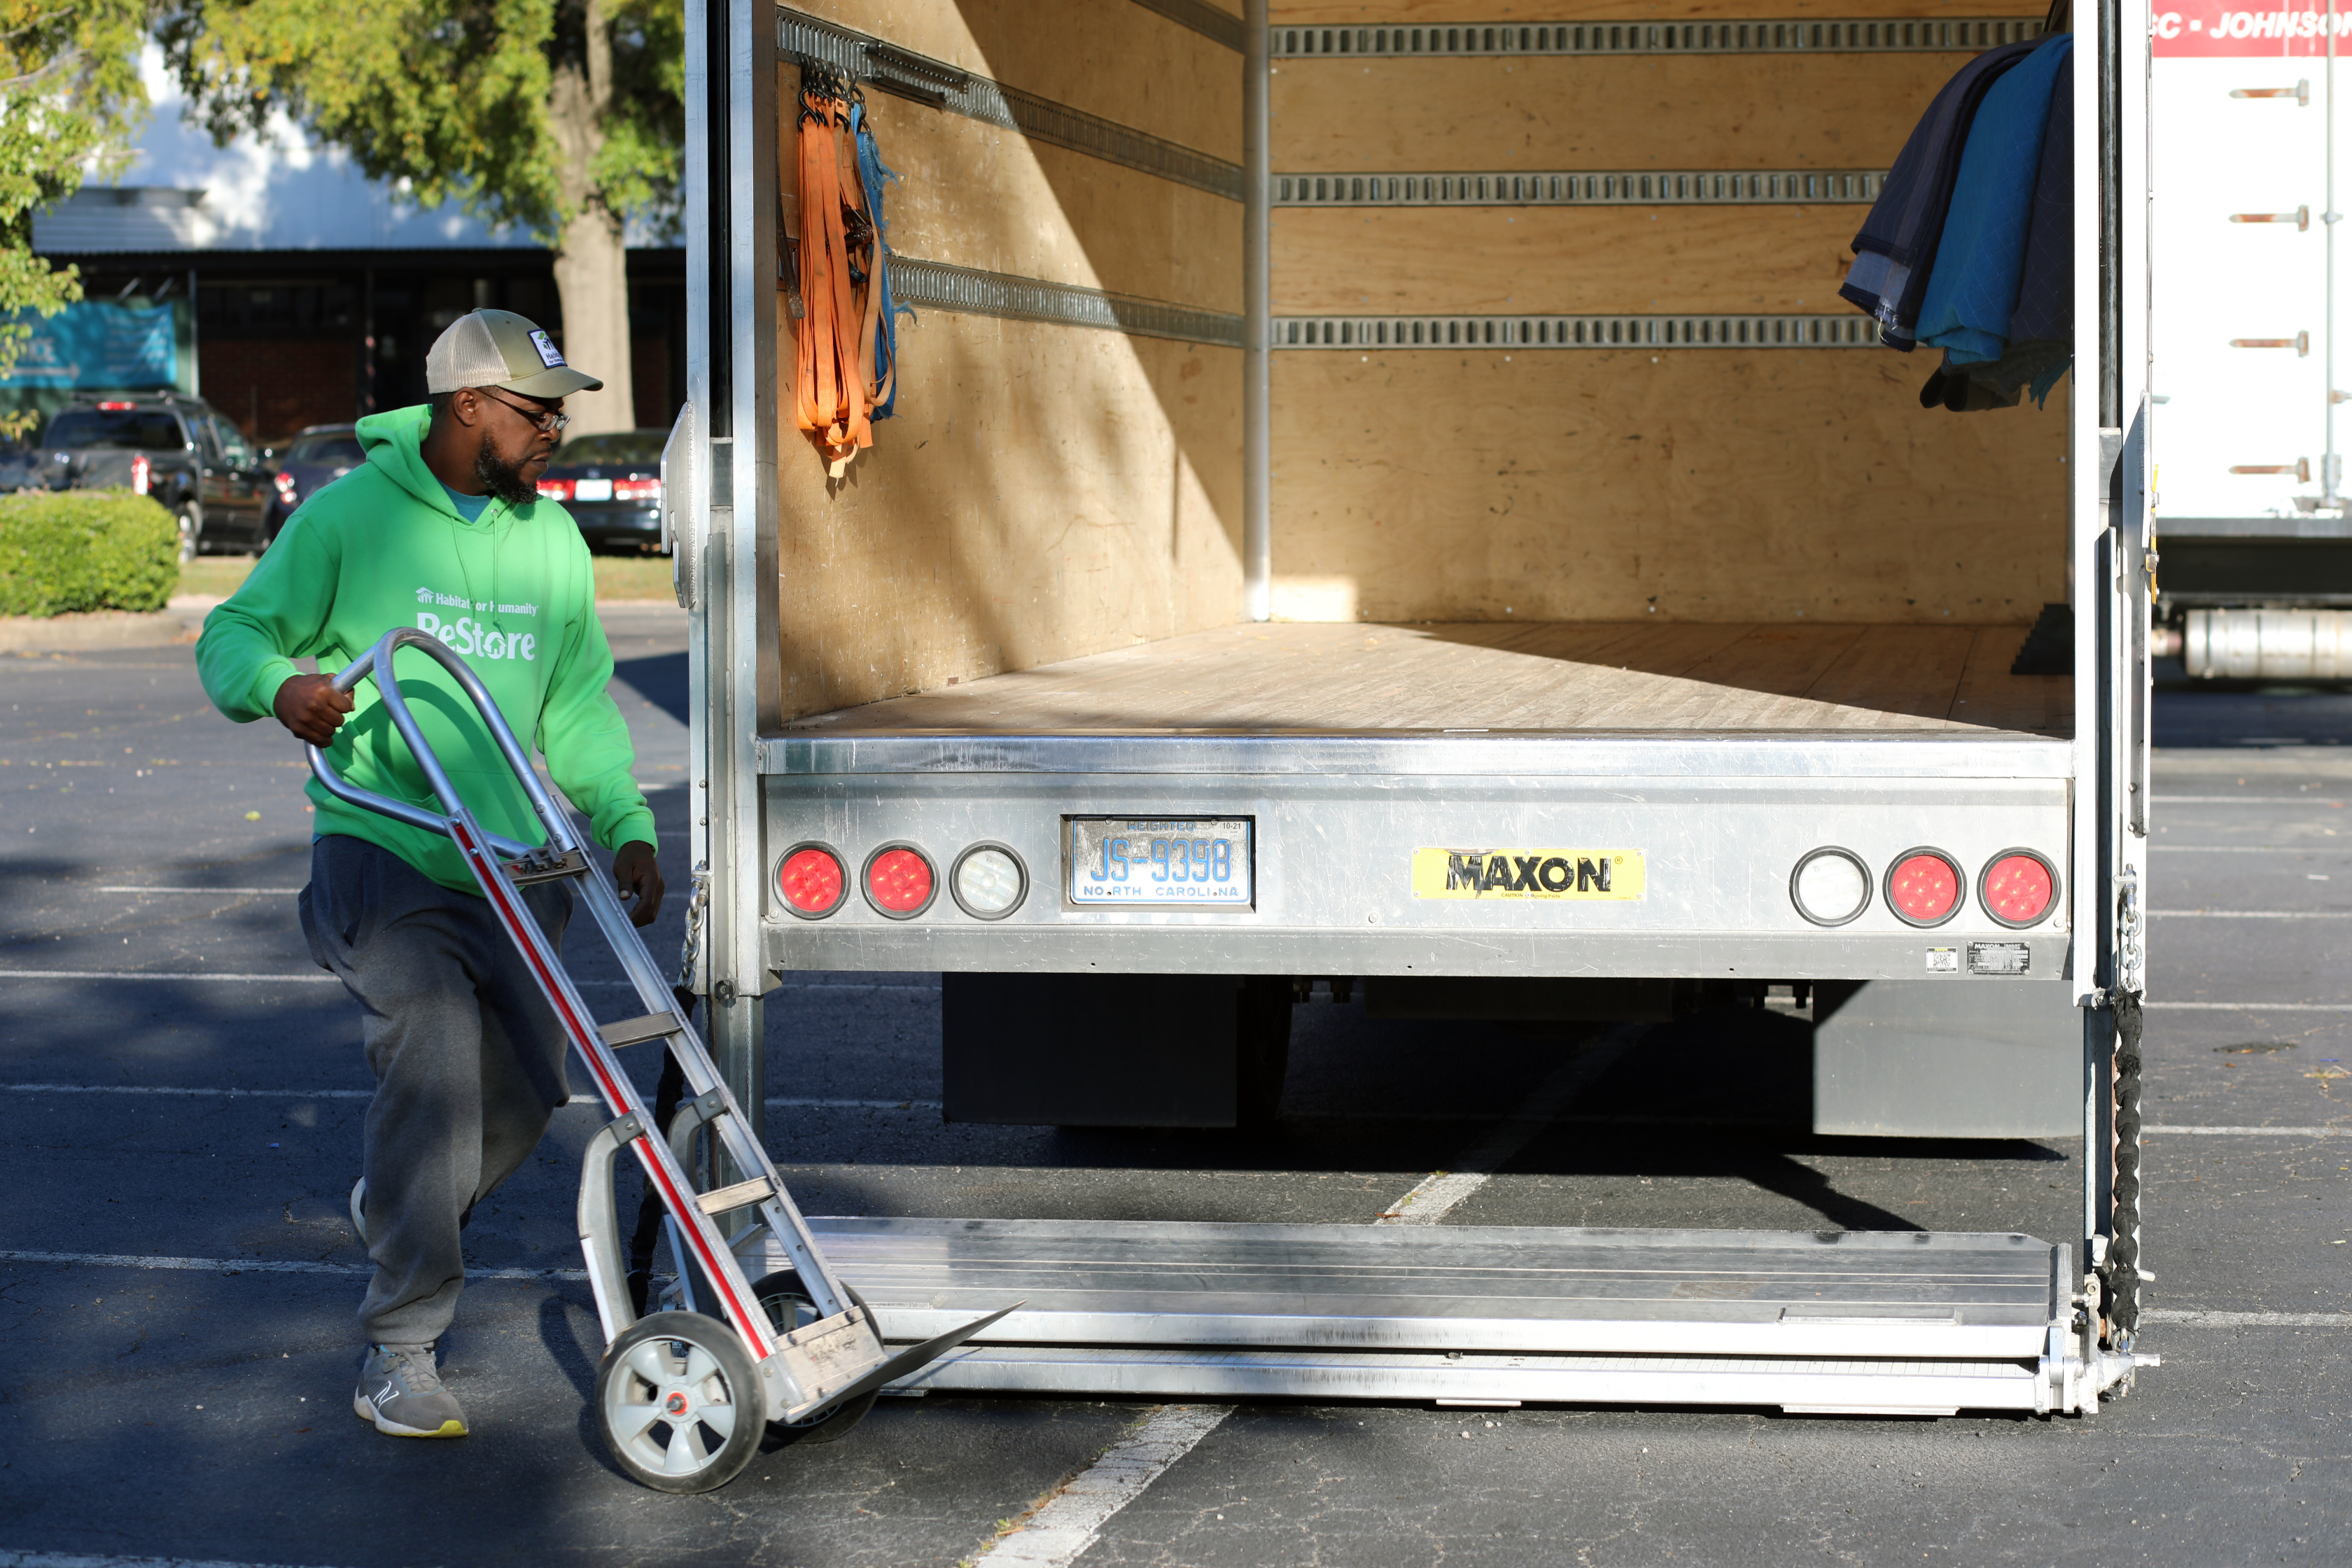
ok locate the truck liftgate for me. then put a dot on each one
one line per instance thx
(932, 732)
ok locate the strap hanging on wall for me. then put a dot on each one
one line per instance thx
(836, 277)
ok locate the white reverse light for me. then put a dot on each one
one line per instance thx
(1830, 886)
(989, 881)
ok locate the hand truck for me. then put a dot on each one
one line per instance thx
(682, 1396)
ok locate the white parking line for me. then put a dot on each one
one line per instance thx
(2343, 849)
(1057, 1533)
(777, 1101)
(255, 1266)
(195, 1093)
(1430, 1199)
(2250, 1006)
(2251, 1131)
(72, 1559)
(2256, 914)
(321, 978)
(2193, 1320)
(110, 888)
(2247, 800)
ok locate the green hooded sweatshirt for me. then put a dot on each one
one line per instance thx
(383, 547)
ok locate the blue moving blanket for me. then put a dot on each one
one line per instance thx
(1972, 291)
(1897, 243)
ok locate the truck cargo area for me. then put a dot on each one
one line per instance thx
(1337, 526)
(1497, 676)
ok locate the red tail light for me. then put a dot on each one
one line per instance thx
(809, 880)
(636, 490)
(139, 471)
(555, 490)
(899, 881)
(1923, 887)
(285, 483)
(112, 405)
(2016, 888)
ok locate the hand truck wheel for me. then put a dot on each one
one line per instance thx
(782, 1296)
(680, 1402)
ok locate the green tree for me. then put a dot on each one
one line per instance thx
(70, 98)
(562, 116)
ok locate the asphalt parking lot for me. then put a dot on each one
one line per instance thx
(182, 1094)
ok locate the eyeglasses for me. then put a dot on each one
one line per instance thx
(550, 424)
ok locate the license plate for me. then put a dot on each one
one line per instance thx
(592, 490)
(1164, 862)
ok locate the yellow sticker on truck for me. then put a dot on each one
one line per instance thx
(1529, 874)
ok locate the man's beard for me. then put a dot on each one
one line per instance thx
(503, 479)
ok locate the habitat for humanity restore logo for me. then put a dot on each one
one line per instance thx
(477, 640)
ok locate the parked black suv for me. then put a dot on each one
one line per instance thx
(165, 445)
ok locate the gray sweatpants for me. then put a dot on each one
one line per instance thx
(467, 1056)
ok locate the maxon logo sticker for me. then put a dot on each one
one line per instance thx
(1585, 874)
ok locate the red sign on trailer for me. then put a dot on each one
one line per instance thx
(2213, 31)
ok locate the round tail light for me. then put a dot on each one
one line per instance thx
(1829, 886)
(1923, 887)
(989, 881)
(2016, 888)
(809, 880)
(899, 881)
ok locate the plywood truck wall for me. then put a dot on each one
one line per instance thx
(1047, 490)
(1704, 483)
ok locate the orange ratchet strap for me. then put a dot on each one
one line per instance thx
(833, 327)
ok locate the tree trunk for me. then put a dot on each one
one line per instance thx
(591, 277)
(592, 260)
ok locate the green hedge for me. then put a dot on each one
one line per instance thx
(86, 550)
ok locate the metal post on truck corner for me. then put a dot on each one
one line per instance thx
(721, 42)
(1257, 314)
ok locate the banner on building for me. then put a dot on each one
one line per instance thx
(100, 345)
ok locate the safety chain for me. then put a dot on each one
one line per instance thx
(2122, 1275)
(2131, 931)
(689, 952)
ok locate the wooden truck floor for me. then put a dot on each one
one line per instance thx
(1672, 676)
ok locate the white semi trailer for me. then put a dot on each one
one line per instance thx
(2249, 493)
(1387, 494)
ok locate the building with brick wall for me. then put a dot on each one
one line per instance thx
(318, 290)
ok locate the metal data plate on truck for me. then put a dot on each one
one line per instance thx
(1150, 862)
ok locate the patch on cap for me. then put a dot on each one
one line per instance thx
(549, 355)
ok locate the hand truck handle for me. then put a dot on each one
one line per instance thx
(377, 665)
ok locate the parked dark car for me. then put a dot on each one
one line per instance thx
(22, 469)
(172, 448)
(611, 486)
(314, 460)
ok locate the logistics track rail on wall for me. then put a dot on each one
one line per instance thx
(874, 63)
(1786, 35)
(1715, 331)
(1582, 188)
(936, 285)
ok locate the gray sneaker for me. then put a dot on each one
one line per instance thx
(400, 1389)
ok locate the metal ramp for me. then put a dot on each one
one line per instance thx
(1843, 1322)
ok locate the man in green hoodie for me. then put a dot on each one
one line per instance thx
(443, 530)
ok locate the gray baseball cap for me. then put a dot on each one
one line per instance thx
(500, 349)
